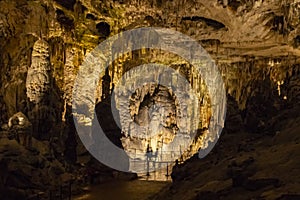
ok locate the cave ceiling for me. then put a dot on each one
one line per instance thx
(253, 42)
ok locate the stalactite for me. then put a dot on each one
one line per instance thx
(38, 79)
(38, 85)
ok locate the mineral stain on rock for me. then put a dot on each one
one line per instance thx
(255, 44)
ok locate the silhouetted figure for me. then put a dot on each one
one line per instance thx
(148, 157)
(175, 170)
(156, 154)
(106, 81)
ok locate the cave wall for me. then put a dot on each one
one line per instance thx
(256, 51)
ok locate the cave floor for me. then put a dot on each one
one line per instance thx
(124, 190)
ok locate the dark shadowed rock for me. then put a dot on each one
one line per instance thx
(289, 197)
(258, 184)
(207, 195)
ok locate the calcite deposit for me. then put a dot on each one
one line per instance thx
(44, 44)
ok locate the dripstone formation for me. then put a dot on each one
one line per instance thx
(254, 43)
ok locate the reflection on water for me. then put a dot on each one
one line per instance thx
(160, 174)
(121, 190)
(141, 189)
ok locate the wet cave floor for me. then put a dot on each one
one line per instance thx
(124, 190)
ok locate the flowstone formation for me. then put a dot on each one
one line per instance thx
(155, 116)
(255, 44)
(251, 41)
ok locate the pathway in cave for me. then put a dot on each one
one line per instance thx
(124, 190)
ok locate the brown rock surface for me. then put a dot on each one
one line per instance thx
(254, 42)
(243, 166)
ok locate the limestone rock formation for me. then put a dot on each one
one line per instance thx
(76, 28)
(38, 81)
(22, 128)
(254, 43)
(251, 169)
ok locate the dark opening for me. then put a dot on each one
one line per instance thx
(234, 4)
(296, 41)
(64, 20)
(278, 24)
(103, 28)
(66, 3)
(210, 22)
(91, 16)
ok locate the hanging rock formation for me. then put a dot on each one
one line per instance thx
(255, 44)
(38, 80)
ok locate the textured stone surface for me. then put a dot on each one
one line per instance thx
(254, 42)
(243, 166)
(250, 41)
(38, 80)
